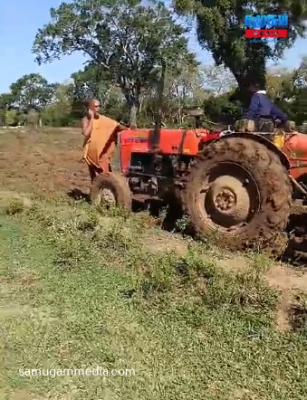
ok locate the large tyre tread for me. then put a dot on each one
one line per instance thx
(115, 182)
(275, 188)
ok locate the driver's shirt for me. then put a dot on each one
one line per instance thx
(261, 106)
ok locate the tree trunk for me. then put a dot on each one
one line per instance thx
(132, 97)
(133, 114)
(255, 72)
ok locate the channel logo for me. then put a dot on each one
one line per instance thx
(266, 27)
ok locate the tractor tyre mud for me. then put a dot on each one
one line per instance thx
(115, 186)
(239, 193)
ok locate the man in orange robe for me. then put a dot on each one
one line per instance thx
(100, 139)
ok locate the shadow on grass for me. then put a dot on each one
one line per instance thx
(79, 195)
(296, 251)
(152, 206)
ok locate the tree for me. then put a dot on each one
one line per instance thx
(32, 92)
(185, 89)
(11, 117)
(6, 100)
(301, 73)
(279, 83)
(59, 112)
(91, 82)
(220, 109)
(221, 30)
(218, 79)
(301, 98)
(126, 40)
(289, 92)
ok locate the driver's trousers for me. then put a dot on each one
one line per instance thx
(258, 125)
(264, 125)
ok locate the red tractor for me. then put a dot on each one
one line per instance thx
(237, 185)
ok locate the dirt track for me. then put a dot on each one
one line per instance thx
(42, 162)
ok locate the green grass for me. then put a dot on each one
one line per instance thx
(78, 291)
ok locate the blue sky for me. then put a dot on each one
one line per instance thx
(20, 21)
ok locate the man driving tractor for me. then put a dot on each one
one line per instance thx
(262, 112)
(100, 139)
(261, 107)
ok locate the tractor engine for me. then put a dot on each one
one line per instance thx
(155, 180)
(157, 174)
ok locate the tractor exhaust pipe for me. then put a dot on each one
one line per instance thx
(158, 112)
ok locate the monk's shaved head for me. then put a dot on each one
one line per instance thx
(94, 105)
(92, 102)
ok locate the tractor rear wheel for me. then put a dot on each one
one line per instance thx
(240, 191)
(111, 189)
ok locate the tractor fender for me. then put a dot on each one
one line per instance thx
(261, 139)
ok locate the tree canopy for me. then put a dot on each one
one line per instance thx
(194, 86)
(31, 91)
(126, 41)
(220, 29)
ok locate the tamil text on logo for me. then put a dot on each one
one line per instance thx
(266, 27)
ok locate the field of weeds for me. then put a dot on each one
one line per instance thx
(113, 290)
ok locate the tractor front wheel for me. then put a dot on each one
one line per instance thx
(238, 192)
(111, 189)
